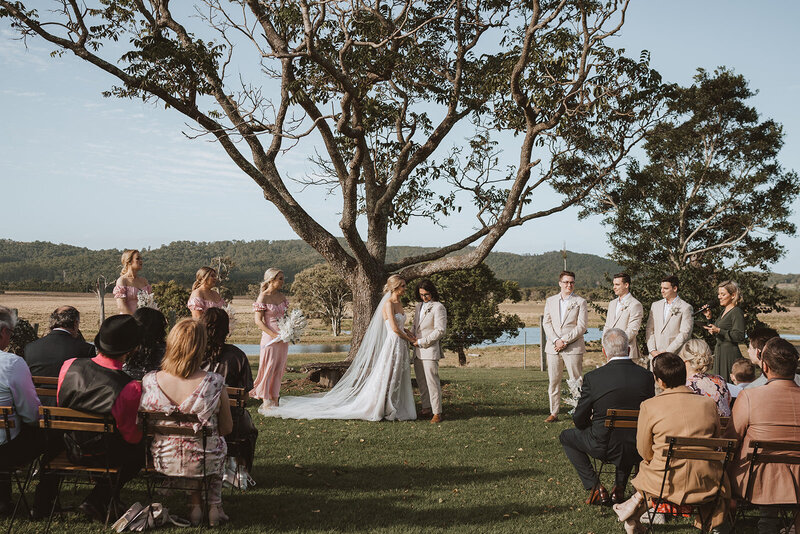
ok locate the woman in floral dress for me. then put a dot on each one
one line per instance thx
(203, 295)
(697, 357)
(270, 306)
(129, 283)
(181, 386)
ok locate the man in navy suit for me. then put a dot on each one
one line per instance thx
(619, 384)
(46, 355)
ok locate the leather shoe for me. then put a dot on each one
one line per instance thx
(599, 497)
(437, 418)
(617, 495)
(552, 418)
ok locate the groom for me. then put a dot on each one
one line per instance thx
(430, 323)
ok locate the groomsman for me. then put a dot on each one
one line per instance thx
(670, 323)
(565, 318)
(430, 324)
(625, 313)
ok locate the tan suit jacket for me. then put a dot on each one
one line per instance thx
(429, 327)
(569, 328)
(666, 415)
(629, 319)
(669, 336)
(770, 413)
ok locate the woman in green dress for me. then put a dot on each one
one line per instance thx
(728, 329)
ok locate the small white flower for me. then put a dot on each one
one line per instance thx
(675, 311)
(291, 327)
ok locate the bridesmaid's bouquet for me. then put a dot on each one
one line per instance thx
(231, 316)
(291, 327)
(146, 300)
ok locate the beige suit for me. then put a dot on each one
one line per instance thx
(669, 335)
(570, 328)
(666, 415)
(429, 327)
(768, 413)
(629, 319)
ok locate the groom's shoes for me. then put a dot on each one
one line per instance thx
(552, 418)
(437, 418)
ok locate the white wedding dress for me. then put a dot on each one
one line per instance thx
(376, 386)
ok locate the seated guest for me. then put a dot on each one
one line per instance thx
(230, 362)
(17, 391)
(665, 415)
(769, 413)
(743, 372)
(698, 359)
(151, 349)
(758, 339)
(100, 386)
(46, 355)
(621, 384)
(181, 386)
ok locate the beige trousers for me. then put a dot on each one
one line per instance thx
(555, 370)
(430, 388)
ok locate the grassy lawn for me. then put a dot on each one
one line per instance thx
(491, 466)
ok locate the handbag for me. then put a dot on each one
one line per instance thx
(139, 518)
(236, 475)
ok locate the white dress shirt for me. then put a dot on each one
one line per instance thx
(668, 308)
(620, 300)
(17, 390)
(562, 306)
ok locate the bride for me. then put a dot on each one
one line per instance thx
(378, 383)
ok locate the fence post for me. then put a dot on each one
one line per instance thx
(542, 344)
(524, 348)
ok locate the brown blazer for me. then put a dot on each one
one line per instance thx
(676, 412)
(770, 412)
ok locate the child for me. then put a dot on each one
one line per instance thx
(742, 373)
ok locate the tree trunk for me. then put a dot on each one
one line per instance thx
(462, 356)
(366, 288)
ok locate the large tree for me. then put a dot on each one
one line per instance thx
(382, 88)
(709, 199)
(323, 293)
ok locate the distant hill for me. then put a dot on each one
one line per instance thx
(60, 264)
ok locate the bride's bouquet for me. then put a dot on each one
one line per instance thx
(291, 327)
(146, 300)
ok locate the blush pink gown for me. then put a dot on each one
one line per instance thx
(272, 361)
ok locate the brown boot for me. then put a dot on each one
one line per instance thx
(437, 418)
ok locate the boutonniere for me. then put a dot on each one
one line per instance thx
(623, 306)
(675, 311)
(572, 305)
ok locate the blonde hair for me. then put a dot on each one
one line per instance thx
(269, 275)
(697, 353)
(202, 275)
(733, 290)
(186, 345)
(393, 283)
(127, 260)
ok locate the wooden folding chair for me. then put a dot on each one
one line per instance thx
(57, 420)
(19, 474)
(238, 403)
(694, 449)
(173, 424)
(763, 453)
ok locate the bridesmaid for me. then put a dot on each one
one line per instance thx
(728, 329)
(270, 306)
(129, 283)
(203, 295)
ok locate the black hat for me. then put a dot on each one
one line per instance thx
(118, 335)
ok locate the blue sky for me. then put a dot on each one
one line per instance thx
(106, 173)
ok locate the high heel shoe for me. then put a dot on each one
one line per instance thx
(196, 515)
(626, 510)
(216, 515)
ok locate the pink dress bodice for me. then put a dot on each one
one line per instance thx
(272, 312)
(198, 304)
(130, 293)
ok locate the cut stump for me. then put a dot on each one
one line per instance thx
(327, 374)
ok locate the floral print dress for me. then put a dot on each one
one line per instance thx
(713, 386)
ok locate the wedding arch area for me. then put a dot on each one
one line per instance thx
(385, 93)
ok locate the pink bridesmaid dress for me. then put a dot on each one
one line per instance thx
(272, 361)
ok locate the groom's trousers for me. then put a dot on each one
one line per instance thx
(430, 388)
